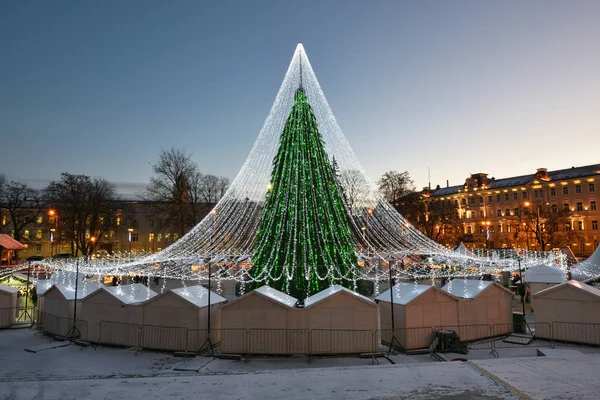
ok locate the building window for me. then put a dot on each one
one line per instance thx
(472, 200)
(497, 197)
(167, 236)
(38, 247)
(594, 225)
(151, 237)
(535, 192)
(490, 199)
(566, 207)
(134, 237)
(582, 247)
(507, 212)
(506, 196)
(26, 233)
(567, 227)
(38, 234)
(577, 188)
(593, 205)
(516, 211)
(552, 191)
(151, 223)
(554, 209)
(469, 229)
(565, 190)
(175, 236)
(499, 213)
(579, 206)
(591, 187)
(515, 196)
(480, 199)
(524, 195)
(158, 237)
(580, 225)
(464, 202)
(160, 223)
(134, 224)
(39, 220)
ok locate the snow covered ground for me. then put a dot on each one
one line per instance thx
(73, 372)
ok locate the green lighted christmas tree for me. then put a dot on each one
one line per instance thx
(304, 242)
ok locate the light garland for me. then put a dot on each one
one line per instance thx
(231, 231)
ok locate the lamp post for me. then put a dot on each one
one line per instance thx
(130, 231)
(487, 233)
(208, 341)
(53, 231)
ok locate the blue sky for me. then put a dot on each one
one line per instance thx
(101, 87)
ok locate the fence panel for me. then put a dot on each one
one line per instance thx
(119, 334)
(522, 335)
(234, 341)
(580, 333)
(278, 341)
(163, 338)
(477, 336)
(339, 341)
(408, 338)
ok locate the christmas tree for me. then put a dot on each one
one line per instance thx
(304, 242)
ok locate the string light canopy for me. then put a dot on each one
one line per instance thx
(292, 217)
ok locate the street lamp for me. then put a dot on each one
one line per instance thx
(53, 231)
(130, 230)
(487, 233)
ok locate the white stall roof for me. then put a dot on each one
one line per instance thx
(58, 277)
(466, 288)
(131, 294)
(198, 295)
(330, 291)
(576, 284)
(8, 289)
(83, 290)
(544, 274)
(276, 295)
(24, 277)
(404, 292)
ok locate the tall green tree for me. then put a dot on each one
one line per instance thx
(304, 242)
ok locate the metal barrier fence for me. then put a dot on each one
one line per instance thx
(316, 341)
(163, 338)
(119, 334)
(64, 327)
(16, 315)
(522, 335)
(278, 341)
(580, 333)
(340, 341)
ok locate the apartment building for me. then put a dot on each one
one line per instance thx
(140, 226)
(547, 208)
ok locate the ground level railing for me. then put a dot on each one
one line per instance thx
(320, 341)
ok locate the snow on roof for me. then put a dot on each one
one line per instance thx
(23, 277)
(404, 292)
(43, 285)
(58, 277)
(131, 294)
(278, 296)
(330, 291)
(462, 249)
(198, 295)
(8, 289)
(83, 289)
(466, 288)
(576, 284)
(544, 274)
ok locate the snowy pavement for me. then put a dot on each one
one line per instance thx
(72, 372)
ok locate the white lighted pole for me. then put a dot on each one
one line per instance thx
(208, 341)
(53, 231)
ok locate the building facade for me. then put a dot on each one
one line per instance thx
(539, 211)
(140, 226)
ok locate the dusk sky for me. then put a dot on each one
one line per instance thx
(101, 87)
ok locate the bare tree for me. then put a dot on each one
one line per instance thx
(87, 208)
(395, 185)
(353, 187)
(175, 187)
(22, 204)
(549, 225)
